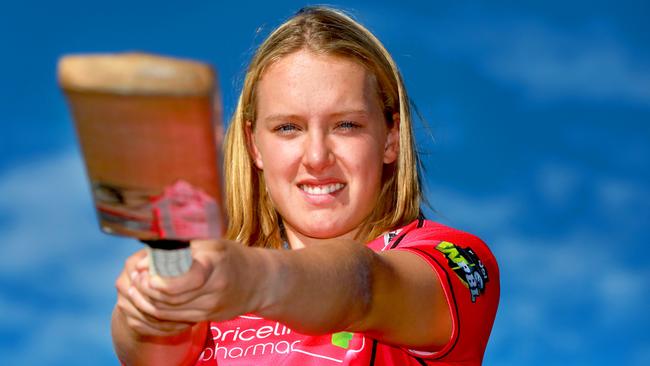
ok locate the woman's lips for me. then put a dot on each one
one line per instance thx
(321, 189)
(320, 194)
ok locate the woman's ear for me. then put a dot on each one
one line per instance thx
(391, 150)
(253, 151)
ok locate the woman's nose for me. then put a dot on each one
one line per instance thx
(318, 154)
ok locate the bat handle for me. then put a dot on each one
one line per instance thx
(168, 258)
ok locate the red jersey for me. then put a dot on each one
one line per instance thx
(469, 276)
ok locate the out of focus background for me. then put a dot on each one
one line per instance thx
(538, 140)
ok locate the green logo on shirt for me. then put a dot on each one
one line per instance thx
(466, 264)
(342, 339)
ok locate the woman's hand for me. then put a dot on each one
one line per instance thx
(140, 322)
(225, 280)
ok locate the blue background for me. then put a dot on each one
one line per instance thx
(538, 141)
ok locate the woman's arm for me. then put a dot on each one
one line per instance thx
(393, 296)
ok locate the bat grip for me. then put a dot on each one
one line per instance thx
(168, 258)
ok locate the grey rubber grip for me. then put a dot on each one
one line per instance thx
(169, 262)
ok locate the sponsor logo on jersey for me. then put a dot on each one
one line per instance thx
(342, 339)
(259, 339)
(467, 266)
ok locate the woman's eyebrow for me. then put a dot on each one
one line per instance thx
(296, 117)
(350, 112)
(282, 117)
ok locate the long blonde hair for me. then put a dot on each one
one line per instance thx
(252, 218)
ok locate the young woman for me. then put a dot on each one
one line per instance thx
(327, 259)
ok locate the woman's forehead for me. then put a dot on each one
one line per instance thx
(305, 82)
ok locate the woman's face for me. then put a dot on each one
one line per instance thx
(321, 140)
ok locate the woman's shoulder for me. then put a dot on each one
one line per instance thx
(422, 232)
(469, 275)
(448, 249)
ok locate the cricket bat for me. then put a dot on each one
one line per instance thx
(149, 130)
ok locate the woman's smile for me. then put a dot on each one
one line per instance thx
(321, 194)
(320, 190)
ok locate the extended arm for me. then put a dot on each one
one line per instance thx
(392, 296)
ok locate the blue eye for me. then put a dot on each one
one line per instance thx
(285, 128)
(348, 125)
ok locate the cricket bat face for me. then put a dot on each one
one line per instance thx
(149, 145)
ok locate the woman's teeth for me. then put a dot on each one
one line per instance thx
(327, 189)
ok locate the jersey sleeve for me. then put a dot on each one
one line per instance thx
(469, 276)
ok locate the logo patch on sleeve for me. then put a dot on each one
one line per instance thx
(467, 266)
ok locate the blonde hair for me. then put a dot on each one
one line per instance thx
(252, 218)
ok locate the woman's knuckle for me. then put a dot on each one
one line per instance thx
(157, 314)
(133, 323)
(221, 285)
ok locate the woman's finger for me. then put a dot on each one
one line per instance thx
(144, 327)
(154, 322)
(126, 292)
(147, 325)
(142, 264)
(205, 303)
(206, 307)
(131, 263)
(142, 281)
(144, 305)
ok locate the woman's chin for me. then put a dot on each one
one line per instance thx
(323, 231)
